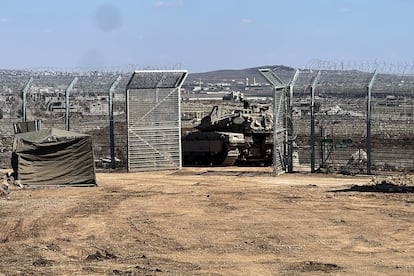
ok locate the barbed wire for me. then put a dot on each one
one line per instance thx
(369, 66)
(124, 68)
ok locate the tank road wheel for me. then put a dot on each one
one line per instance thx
(230, 161)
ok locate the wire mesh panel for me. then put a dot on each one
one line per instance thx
(341, 98)
(153, 120)
(279, 133)
(301, 120)
(88, 104)
(47, 99)
(393, 123)
(364, 119)
(339, 120)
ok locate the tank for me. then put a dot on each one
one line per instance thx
(241, 136)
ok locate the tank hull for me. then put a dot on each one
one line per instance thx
(226, 149)
(212, 148)
(240, 136)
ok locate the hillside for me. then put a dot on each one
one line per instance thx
(284, 72)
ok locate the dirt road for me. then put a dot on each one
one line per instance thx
(198, 221)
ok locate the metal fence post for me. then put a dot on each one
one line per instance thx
(25, 90)
(312, 120)
(111, 120)
(275, 131)
(68, 90)
(368, 140)
(288, 124)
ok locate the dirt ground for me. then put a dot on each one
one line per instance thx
(205, 221)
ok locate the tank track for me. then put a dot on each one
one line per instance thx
(231, 158)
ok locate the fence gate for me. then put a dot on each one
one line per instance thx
(153, 120)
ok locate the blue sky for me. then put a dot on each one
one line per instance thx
(202, 35)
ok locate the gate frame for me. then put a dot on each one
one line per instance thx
(177, 86)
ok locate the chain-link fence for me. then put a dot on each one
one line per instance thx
(43, 95)
(355, 129)
(364, 121)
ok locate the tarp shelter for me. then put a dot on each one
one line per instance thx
(53, 157)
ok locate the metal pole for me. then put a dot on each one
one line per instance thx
(127, 91)
(179, 85)
(369, 92)
(68, 90)
(26, 90)
(312, 121)
(278, 86)
(289, 115)
(322, 146)
(111, 121)
(275, 148)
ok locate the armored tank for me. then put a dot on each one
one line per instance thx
(241, 136)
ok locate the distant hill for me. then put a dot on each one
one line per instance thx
(341, 82)
(284, 72)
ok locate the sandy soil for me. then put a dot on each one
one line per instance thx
(203, 221)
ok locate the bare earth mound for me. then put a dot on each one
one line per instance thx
(198, 221)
